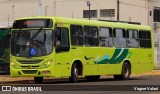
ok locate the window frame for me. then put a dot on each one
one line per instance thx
(66, 49)
(107, 12)
(110, 35)
(86, 13)
(127, 35)
(90, 27)
(124, 35)
(77, 36)
(149, 39)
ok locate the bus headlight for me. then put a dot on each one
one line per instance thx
(13, 65)
(47, 64)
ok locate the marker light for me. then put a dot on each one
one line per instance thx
(47, 64)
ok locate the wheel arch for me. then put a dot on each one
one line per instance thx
(127, 61)
(80, 66)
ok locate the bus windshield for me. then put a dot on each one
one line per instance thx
(26, 43)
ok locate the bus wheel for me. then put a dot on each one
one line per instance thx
(93, 78)
(74, 73)
(125, 74)
(38, 79)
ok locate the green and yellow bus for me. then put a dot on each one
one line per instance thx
(5, 35)
(66, 47)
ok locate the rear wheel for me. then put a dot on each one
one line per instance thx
(125, 74)
(93, 78)
(74, 73)
(38, 79)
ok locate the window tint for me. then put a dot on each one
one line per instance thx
(144, 35)
(5, 42)
(76, 35)
(91, 36)
(91, 13)
(107, 12)
(156, 14)
(119, 38)
(132, 38)
(105, 36)
(145, 39)
(62, 39)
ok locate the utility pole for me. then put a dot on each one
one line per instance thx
(40, 8)
(13, 11)
(12, 1)
(89, 10)
(46, 10)
(54, 10)
(148, 12)
(118, 2)
(8, 20)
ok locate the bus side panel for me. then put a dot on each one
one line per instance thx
(62, 64)
(136, 66)
(142, 60)
(147, 56)
(106, 68)
(89, 55)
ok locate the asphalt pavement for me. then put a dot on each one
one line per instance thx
(8, 79)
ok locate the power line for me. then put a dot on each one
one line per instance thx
(153, 1)
(132, 5)
(135, 5)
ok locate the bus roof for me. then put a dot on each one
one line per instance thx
(63, 20)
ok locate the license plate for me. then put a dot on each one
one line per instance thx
(45, 72)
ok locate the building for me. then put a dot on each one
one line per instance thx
(146, 12)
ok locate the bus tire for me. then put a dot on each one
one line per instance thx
(74, 73)
(125, 74)
(93, 78)
(38, 79)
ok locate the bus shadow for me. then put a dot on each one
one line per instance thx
(83, 80)
(66, 81)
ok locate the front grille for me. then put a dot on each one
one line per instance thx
(29, 67)
(29, 71)
(29, 61)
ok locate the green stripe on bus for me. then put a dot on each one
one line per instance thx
(118, 56)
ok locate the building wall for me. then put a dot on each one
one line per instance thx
(130, 10)
(10, 11)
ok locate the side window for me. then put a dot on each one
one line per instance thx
(145, 39)
(62, 39)
(105, 37)
(76, 35)
(132, 38)
(119, 38)
(7, 41)
(2, 45)
(91, 36)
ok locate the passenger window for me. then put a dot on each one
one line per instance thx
(132, 38)
(145, 39)
(105, 37)
(119, 38)
(91, 36)
(62, 39)
(76, 35)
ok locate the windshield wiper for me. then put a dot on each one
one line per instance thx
(24, 35)
(36, 34)
(31, 38)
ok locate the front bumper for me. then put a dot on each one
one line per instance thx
(46, 72)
